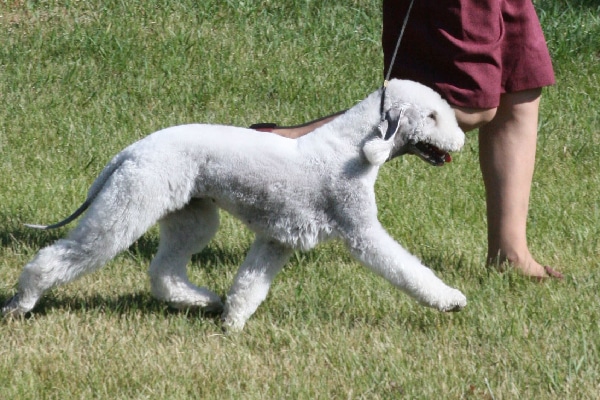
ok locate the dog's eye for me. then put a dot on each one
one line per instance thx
(432, 118)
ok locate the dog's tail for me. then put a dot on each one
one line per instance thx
(92, 193)
(65, 221)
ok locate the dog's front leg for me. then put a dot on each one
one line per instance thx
(376, 249)
(251, 284)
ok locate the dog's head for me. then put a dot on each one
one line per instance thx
(416, 120)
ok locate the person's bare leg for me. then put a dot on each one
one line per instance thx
(472, 118)
(507, 146)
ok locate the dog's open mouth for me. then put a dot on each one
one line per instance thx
(430, 153)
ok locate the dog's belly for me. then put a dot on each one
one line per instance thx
(301, 229)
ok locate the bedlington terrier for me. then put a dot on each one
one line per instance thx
(293, 194)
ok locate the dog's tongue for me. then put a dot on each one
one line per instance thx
(430, 153)
(447, 157)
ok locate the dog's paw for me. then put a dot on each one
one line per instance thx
(231, 325)
(12, 308)
(184, 295)
(453, 301)
(213, 307)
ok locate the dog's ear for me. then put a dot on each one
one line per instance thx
(392, 117)
(377, 150)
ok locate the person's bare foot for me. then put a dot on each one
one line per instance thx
(526, 266)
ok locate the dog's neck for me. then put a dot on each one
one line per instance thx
(351, 129)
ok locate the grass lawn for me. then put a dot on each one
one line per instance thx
(79, 80)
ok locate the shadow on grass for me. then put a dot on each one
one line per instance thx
(126, 304)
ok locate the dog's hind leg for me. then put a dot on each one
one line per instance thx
(115, 219)
(382, 254)
(88, 247)
(56, 264)
(183, 233)
(253, 280)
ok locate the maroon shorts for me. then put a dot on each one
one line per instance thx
(470, 51)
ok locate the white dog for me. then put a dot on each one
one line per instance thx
(292, 193)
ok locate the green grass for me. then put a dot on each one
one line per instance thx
(79, 80)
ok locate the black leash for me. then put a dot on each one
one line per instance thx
(389, 71)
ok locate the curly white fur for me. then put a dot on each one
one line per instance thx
(292, 193)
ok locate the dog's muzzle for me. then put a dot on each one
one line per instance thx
(429, 153)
